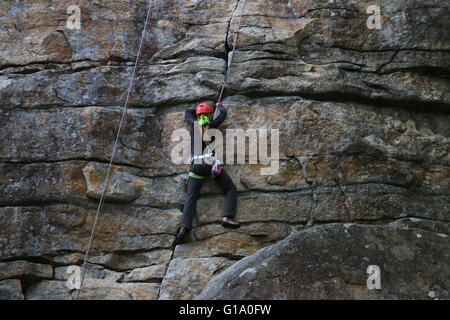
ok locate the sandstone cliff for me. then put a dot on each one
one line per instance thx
(364, 128)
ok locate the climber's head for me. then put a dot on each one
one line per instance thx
(204, 114)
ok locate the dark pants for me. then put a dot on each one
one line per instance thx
(193, 192)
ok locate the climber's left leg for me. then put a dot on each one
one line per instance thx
(193, 192)
(229, 210)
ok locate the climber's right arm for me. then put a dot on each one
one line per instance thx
(189, 115)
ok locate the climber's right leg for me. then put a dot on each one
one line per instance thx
(194, 185)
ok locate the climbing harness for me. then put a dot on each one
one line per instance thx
(228, 64)
(208, 155)
(114, 153)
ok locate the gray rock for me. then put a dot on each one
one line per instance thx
(263, 231)
(127, 186)
(93, 289)
(55, 228)
(16, 269)
(69, 259)
(124, 261)
(330, 262)
(362, 115)
(259, 207)
(105, 290)
(234, 245)
(147, 274)
(185, 278)
(49, 290)
(93, 272)
(11, 289)
(71, 133)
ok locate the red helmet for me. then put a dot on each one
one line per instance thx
(203, 108)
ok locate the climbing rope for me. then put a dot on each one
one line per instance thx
(114, 153)
(225, 78)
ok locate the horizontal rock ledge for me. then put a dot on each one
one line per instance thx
(331, 261)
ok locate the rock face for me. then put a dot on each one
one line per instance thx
(364, 126)
(11, 289)
(330, 262)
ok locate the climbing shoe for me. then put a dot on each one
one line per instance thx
(230, 223)
(180, 236)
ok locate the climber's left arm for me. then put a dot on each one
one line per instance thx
(220, 118)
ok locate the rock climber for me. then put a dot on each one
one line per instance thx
(201, 118)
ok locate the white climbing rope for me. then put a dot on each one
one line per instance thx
(114, 153)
